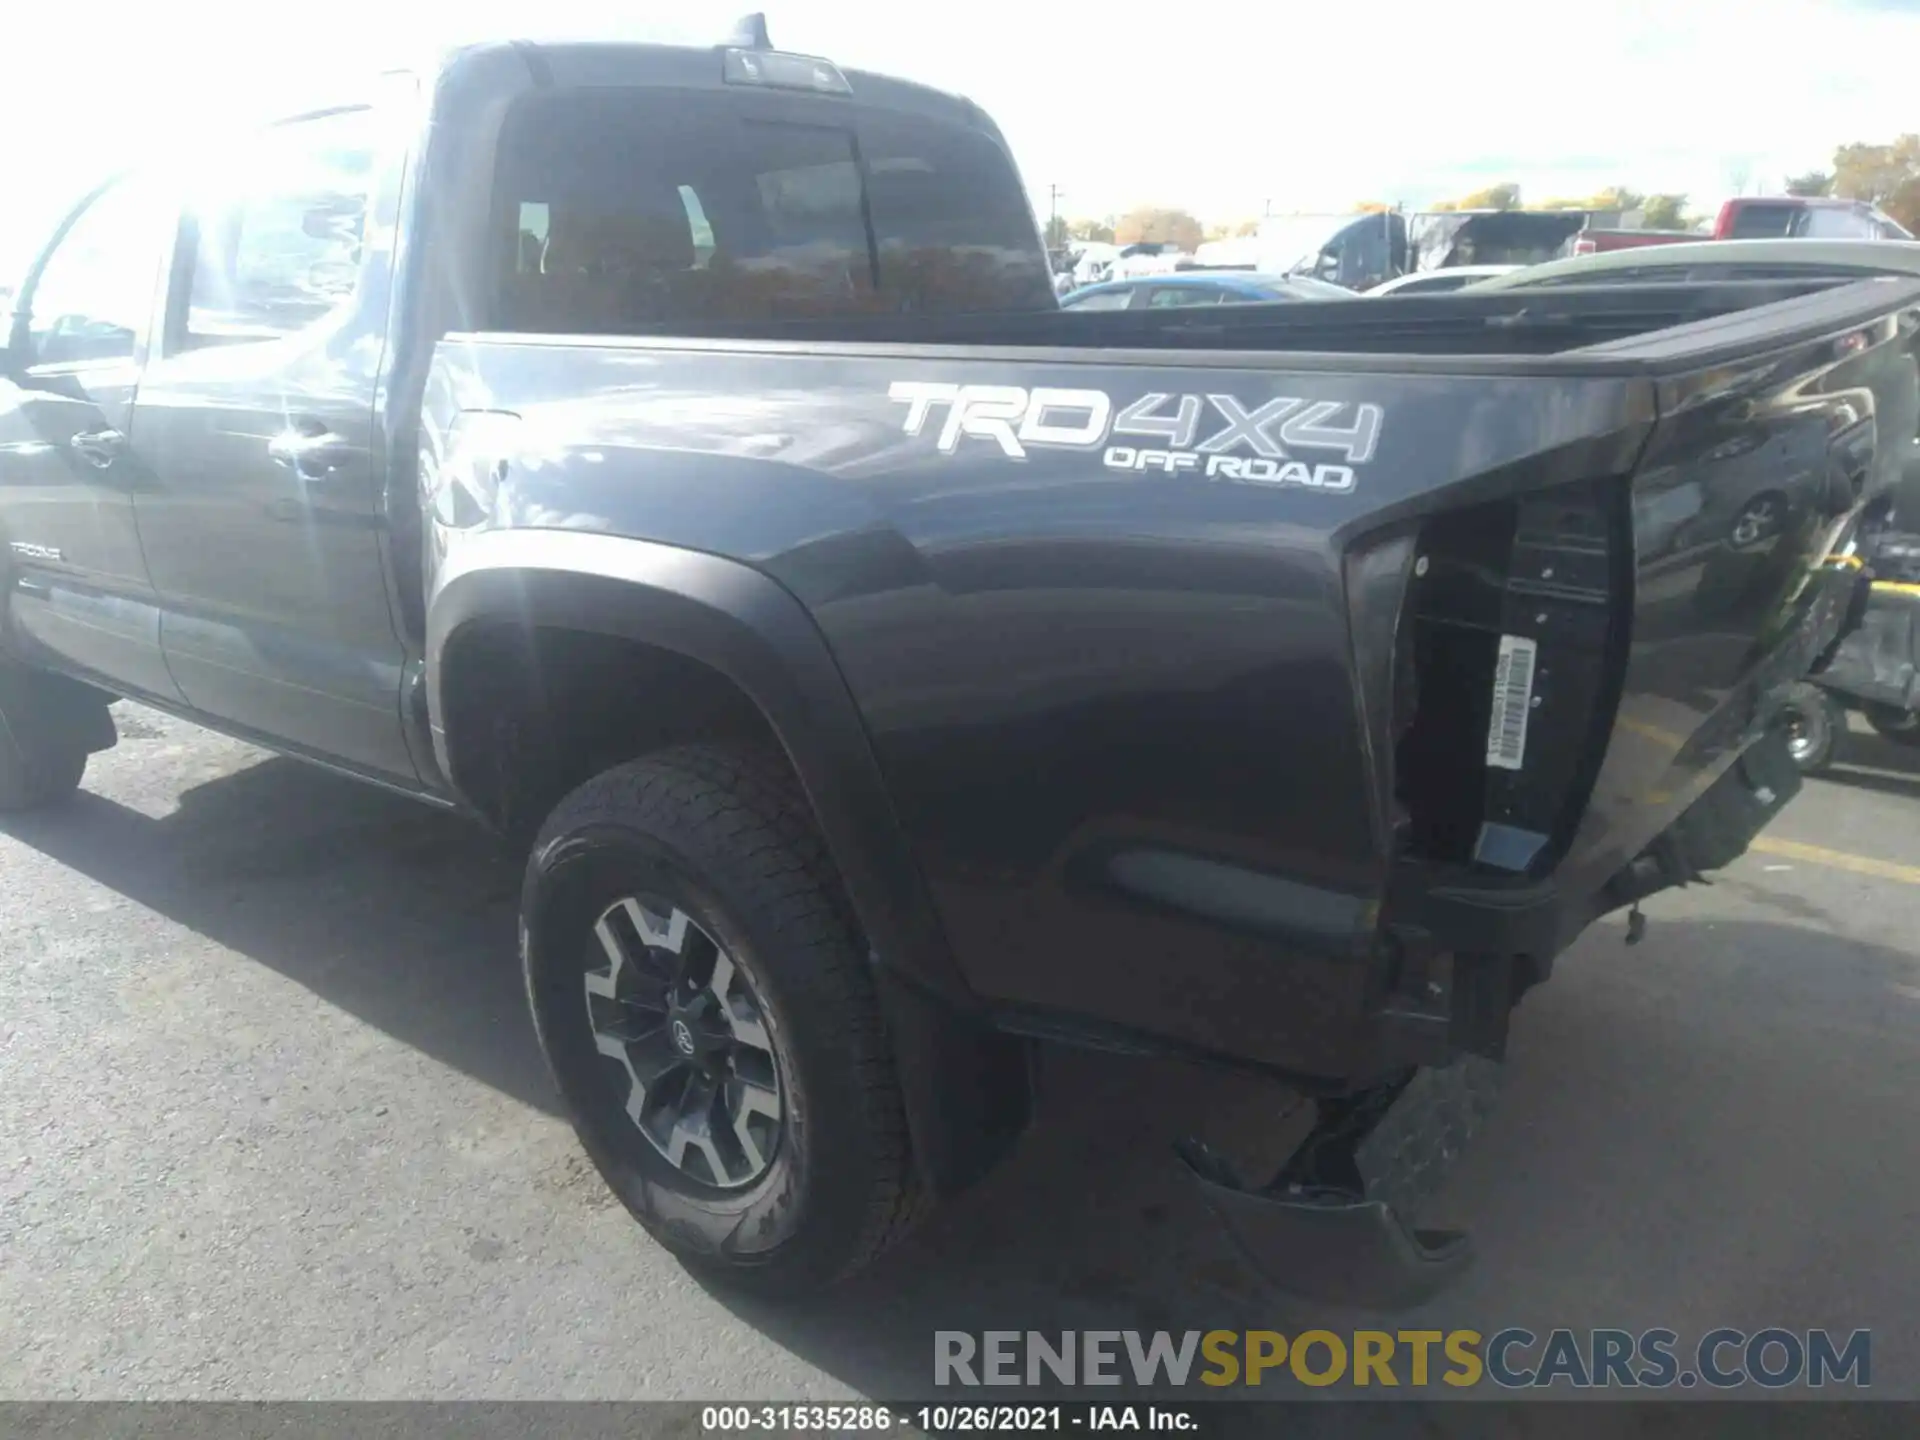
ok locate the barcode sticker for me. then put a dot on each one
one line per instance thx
(1512, 699)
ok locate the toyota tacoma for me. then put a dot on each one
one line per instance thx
(676, 458)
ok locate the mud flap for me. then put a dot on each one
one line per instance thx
(1333, 1224)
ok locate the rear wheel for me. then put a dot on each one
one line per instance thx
(1814, 722)
(1900, 726)
(702, 997)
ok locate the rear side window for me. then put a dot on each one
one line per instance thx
(1764, 222)
(277, 235)
(1100, 300)
(642, 210)
(1162, 297)
(1827, 223)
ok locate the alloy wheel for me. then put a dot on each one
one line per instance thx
(688, 1031)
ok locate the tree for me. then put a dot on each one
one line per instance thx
(1616, 197)
(1093, 230)
(1505, 196)
(1665, 212)
(1058, 232)
(1886, 175)
(1372, 207)
(1814, 182)
(1159, 225)
(1233, 229)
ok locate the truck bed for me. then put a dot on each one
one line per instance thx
(1191, 649)
(1459, 325)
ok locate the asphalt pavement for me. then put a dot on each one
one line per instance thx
(273, 1125)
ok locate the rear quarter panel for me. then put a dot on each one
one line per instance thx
(1071, 671)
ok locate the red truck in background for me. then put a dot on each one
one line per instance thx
(1596, 242)
(1804, 217)
(1781, 217)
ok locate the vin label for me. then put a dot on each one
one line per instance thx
(1512, 700)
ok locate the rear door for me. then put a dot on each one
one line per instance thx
(265, 527)
(69, 463)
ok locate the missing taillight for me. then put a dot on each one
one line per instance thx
(1506, 659)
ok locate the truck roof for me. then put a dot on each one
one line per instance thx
(570, 60)
(1807, 202)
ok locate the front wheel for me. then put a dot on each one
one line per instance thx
(702, 998)
(45, 737)
(1814, 722)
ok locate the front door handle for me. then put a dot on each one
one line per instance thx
(97, 448)
(310, 451)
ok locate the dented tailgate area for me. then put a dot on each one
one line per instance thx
(1582, 715)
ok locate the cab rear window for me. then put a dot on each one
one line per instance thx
(1764, 222)
(642, 210)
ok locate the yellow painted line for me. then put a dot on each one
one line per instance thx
(1838, 860)
(1651, 732)
(1898, 587)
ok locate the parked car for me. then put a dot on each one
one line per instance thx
(1148, 257)
(1349, 250)
(1439, 282)
(1600, 241)
(1363, 252)
(1201, 287)
(1445, 239)
(1800, 217)
(1729, 260)
(1777, 218)
(694, 479)
(1093, 262)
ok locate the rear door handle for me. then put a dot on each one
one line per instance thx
(309, 450)
(97, 447)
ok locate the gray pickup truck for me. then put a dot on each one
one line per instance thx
(676, 459)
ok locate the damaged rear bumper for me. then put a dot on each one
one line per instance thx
(1334, 1224)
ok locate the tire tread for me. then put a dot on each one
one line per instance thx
(742, 812)
(32, 776)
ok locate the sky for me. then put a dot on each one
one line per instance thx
(1225, 109)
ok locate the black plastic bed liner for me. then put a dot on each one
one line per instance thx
(1502, 322)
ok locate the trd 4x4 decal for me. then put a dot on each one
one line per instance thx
(1254, 446)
